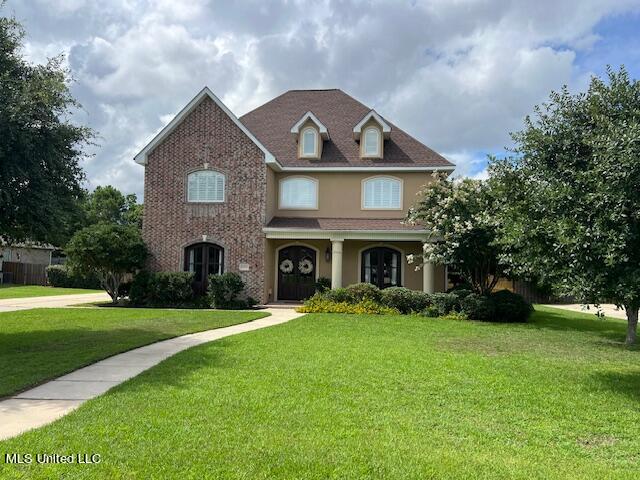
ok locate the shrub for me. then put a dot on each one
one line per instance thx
(320, 304)
(363, 291)
(63, 276)
(170, 289)
(445, 303)
(478, 307)
(322, 284)
(461, 293)
(510, 307)
(431, 311)
(224, 291)
(138, 293)
(405, 300)
(337, 295)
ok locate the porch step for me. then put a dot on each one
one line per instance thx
(283, 305)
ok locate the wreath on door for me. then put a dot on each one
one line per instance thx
(286, 266)
(305, 266)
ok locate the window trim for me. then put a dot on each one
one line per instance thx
(224, 186)
(377, 153)
(316, 183)
(389, 177)
(315, 142)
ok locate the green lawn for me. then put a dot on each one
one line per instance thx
(24, 291)
(36, 345)
(352, 397)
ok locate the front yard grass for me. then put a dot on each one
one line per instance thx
(37, 345)
(24, 291)
(353, 397)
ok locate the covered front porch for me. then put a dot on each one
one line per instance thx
(295, 258)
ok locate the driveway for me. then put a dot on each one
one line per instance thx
(608, 309)
(54, 301)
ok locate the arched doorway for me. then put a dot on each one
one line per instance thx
(203, 259)
(296, 272)
(381, 266)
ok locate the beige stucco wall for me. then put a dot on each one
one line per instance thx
(340, 195)
(350, 262)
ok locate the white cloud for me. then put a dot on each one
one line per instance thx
(457, 75)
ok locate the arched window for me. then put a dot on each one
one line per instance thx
(382, 267)
(205, 186)
(372, 142)
(382, 193)
(298, 193)
(309, 142)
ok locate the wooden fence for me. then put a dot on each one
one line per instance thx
(24, 273)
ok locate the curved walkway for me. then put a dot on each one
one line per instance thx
(44, 404)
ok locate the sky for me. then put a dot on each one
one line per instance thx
(458, 75)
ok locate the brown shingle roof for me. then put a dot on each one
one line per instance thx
(271, 124)
(342, 224)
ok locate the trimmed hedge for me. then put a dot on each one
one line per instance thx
(502, 306)
(162, 289)
(63, 276)
(405, 300)
(225, 290)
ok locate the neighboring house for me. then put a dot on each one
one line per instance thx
(311, 184)
(26, 252)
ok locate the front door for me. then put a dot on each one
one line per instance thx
(296, 273)
(203, 259)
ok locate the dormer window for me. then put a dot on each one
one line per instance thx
(309, 142)
(310, 133)
(372, 142)
(371, 132)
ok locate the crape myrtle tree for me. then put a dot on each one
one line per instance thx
(570, 208)
(40, 148)
(108, 250)
(108, 205)
(459, 215)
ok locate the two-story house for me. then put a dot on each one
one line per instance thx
(311, 184)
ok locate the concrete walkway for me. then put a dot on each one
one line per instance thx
(50, 401)
(608, 309)
(53, 301)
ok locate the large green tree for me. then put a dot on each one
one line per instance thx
(459, 216)
(571, 195)
(107, 204)
(40, 148)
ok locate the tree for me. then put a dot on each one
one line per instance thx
(458, 214)
(108, 205)
(570, 212)
(40, 149)
(110, 251)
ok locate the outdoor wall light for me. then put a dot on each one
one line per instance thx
(327, 254)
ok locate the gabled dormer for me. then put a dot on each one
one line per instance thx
(371, 132)
(310, 134)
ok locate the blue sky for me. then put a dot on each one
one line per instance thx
(459, 76)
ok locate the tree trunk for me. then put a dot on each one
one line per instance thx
(632, 323)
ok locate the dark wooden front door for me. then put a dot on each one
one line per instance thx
(203, 259)
(381, 266)
(296, 273)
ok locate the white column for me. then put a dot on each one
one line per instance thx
(336, 263)
(428, 278)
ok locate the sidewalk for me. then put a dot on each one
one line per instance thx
(44, 404)
(53, 301)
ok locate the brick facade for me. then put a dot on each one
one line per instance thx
(207, 135)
